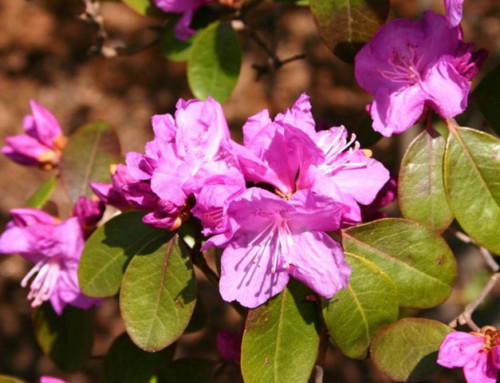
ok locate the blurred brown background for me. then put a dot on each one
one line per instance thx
(44, 55)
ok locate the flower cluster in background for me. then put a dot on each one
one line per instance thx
(269, 203)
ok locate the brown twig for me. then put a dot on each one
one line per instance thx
(318, 374)
(102, 45)
(488, 258)
(466, 316)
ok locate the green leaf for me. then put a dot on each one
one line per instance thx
(126, 363)
(157, 297)
(187, 370)
(472, 180)
(487, 98)
(43, 194)
(354, 315)
(281, 339)
(10, 379)
(421, 192)
(90, 152)
(345, 25)
(144, 7)
(407, 350)
(215, 61)
(173, 49)
(416, 258)
(110, 248)
(66, 339)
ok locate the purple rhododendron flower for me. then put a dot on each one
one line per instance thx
(55, 248)
(186, 8)
(190, 156)
(274, 239)
(409, 66)
(229, 345)
(89, 212)
(51, 379)
(453, 11)
(42, 143)
(477, 353)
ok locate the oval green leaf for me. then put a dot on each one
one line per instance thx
(345, 25)
(421, 192)
(127, 363)
(215, 61)
(110, 248)
(355, 314)
(281, 339)
(144, 7)
(415, 257)
(158, 295)
(472, 179)
(43, 194)
(90, 152)
(487, 98)
(66, 339)
(407, 350)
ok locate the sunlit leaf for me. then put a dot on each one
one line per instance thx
(472, 169)
(406, 351)
(356, 313)
(281, 339)
(157, 296)
(110, 248)
(215, 61)
(415, 257)
(421, 192)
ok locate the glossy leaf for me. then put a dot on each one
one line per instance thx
(416, 258)
(215, 61)
(110, 248)
(187, 370)
(407, 350)
(281, 339)
(172, 48)
(354, 315)
(472, 169)
(157, 297)
(487, 98)
(43, 194)
(345, 25)
(127, 363)
(66, 339)
(90, 152)
(421, 192)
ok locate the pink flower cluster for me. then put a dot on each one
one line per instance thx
(55, 247)
(411, 67)
(268, 202)
(477, 353)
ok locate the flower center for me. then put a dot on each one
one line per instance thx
(404, 68)
(43, 284)
(339, 152)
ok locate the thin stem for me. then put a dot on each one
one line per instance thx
(488, 258)
(318, 374)
(466, 316)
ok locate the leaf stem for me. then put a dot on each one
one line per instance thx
(466, 316)
(488, 258)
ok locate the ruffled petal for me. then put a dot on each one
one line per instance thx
(459, 348)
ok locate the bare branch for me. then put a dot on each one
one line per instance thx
(488, 258)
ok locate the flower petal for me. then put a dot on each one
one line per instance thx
(459, 348)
